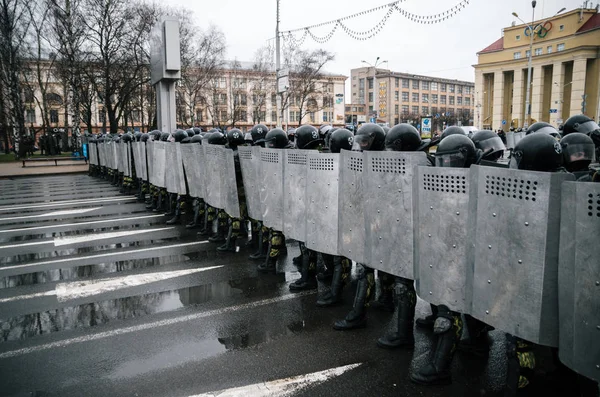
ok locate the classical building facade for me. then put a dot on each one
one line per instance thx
(565, 72)
(403, 95)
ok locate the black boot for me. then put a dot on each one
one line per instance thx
(174, 220)
(477, 343)
(401, 329)
(333, 296)
(270, 263)
(229, 245)
(385, 301)
(448, 328)
(297, 261)
(307, 280)
(427, 322)
(263, 248)
(194, 223)
(357, 317)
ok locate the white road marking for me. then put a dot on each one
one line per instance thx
(155, 324)
(81, 289)
(24, 244)
(104, 200)
(66, 225)
(281, 387)
(75, 259)
(60, 241)
(55, 213)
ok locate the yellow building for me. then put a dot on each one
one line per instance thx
(565, 72)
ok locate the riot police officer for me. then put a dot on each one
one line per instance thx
(578, 153)
(199, 205)
(177, 202)
(220, 236)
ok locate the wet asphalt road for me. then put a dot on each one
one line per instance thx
(98, 297)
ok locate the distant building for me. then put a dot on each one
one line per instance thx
(403, 97)
(565, 72)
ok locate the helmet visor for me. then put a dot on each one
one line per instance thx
(587, 127)
(491, 145)
(455, 159)
(362, 142)
(578, 152)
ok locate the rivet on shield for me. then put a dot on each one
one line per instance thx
(454, 246)
(489, 246)
(380, 238)
(378, 211)
(429, 235)
(526, 223)
(597, 283)
(430, 293)
(431, 266)
(326, 207)
(431, 207)
(487, 312)
(457, 213)
(489, 281)
(494, 214)
(520, 261)
(379, 187)
(380, 261)
(350, 229)
(397, 220)
(349, 250)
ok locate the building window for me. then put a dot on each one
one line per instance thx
(451, 100)
(467, 101)
(415, 97)
(425, 110)
(518, 37)
(396, 109)
(443, 87)
(101, 116)
(396, 96)
(404, 96)
(415, 84)
(538, 51)
(434, 86)
(347, 108)
(370, 82)
(405, 83)
(459, 100)
(30, 116)
(370, 97)
(468, 90)
(199, 115)
(28, 95)
(561, 28)
(425, 85)
(361, 84)
(415, 109)
(397, 82)
(517, 55)
(459, 89)
(451, 87)
(560, 47)
(404, 109)
(273, 99)
(274, 116)
(443, 99)
(434, 110)
(527, 53)
(54, 116)
(549, 49)
(425, 98)
(370, 109)
(434, 98)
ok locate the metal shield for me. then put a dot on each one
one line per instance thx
(143, 161)
(150, 161)
(91, 150)
(229, 188)
(579, 278)
(250, 162)
(135, 151)
(159, 163)
(443, 236)
(191, 166)
(322, 182)
(271, 188)
(516, 251)
(212, 175)
(352, 235)
(389, 210)
(174, 182)
(128, 159)
(102, 154)
(116, 156)
(294, 193)
(201, 165)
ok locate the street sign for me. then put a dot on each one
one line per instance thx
(426, 122)
(553, 110)
(503, 122)
(283, 80)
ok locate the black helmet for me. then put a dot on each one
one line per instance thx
(386, 129)
(451, 131)
(490, 144)
(187, 139)
(197, 130)
(580, 123)
(307, 137)
(248, 138)
(291, 133)
(405, 138)
(235, 137)
(275, 139)
(137, 135)
(196, 139)
(324, 129)
(537, 152)
(369, 136)
(543, 128)
(578, 151)
(457, 151)
(340, 139)
(217, 138)
(327, 139)
(190, 132)
(164, 136)
(127, 137)
(155, 134)
(179, 135)
(258, 132)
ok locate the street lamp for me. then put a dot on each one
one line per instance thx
(527, 113)
(375, 89)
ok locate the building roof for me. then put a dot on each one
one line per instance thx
(590, 24)
(497, 45)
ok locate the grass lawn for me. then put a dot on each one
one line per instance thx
(7, 158)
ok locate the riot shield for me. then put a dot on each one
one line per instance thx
(102, 154)
(212, 175)
(127, 158)
(192, 168)
(231, 203)
(116, 156)
(201, 166)
(136, 157)
(579, 278)
(91, 150)
(516, 251)
(143, 161)
(250, 162)
(150, 162)
(443, 236)
(389, 210)
(159, 163)
(322, 197)
(294, 193)
(352, 234)
(174, 182)
(271, 188)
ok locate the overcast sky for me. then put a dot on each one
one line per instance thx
(447, 49)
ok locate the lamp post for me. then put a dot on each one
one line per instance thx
(375, 89)
(527, 113)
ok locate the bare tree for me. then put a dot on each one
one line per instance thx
(238, 99)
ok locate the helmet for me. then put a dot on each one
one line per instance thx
(490, 144)
(258, 132)
(578, 151)
(197, 130)
(405, 138)
(144, 137)
(179, 135)
(291, 132)
(155, 134)
(457, 151)
(580, 123)
(127, 137)
(340, 139)
(307, 137)
(386, 129)
(187, 139)
(544, 128)
(235, 137)
(275, 139)
(196, 139)
(248, 138)
(369, 136)
(451, 131)
(324, 129)
(190, 132)
(217, 138)
(137, 135)
(537, 152)
(164, 136)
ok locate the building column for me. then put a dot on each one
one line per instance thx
(558, 87)
(537, 87)
(578, 89)
(517, 101)
(498, 100)
(478, 105)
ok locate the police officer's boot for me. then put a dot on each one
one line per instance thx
(171, 204)
(333, 296)
(307, 280)
(428, 321)
(401, 327)
(385, 301)
(297, 260)
(357, 317)
(477, 342)
(219, 236)
(263, 247)
(194, 222)
(270, 263)
(521, 364)
(207, 223)
(229, 242)
(159, 202)
(447, 328)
